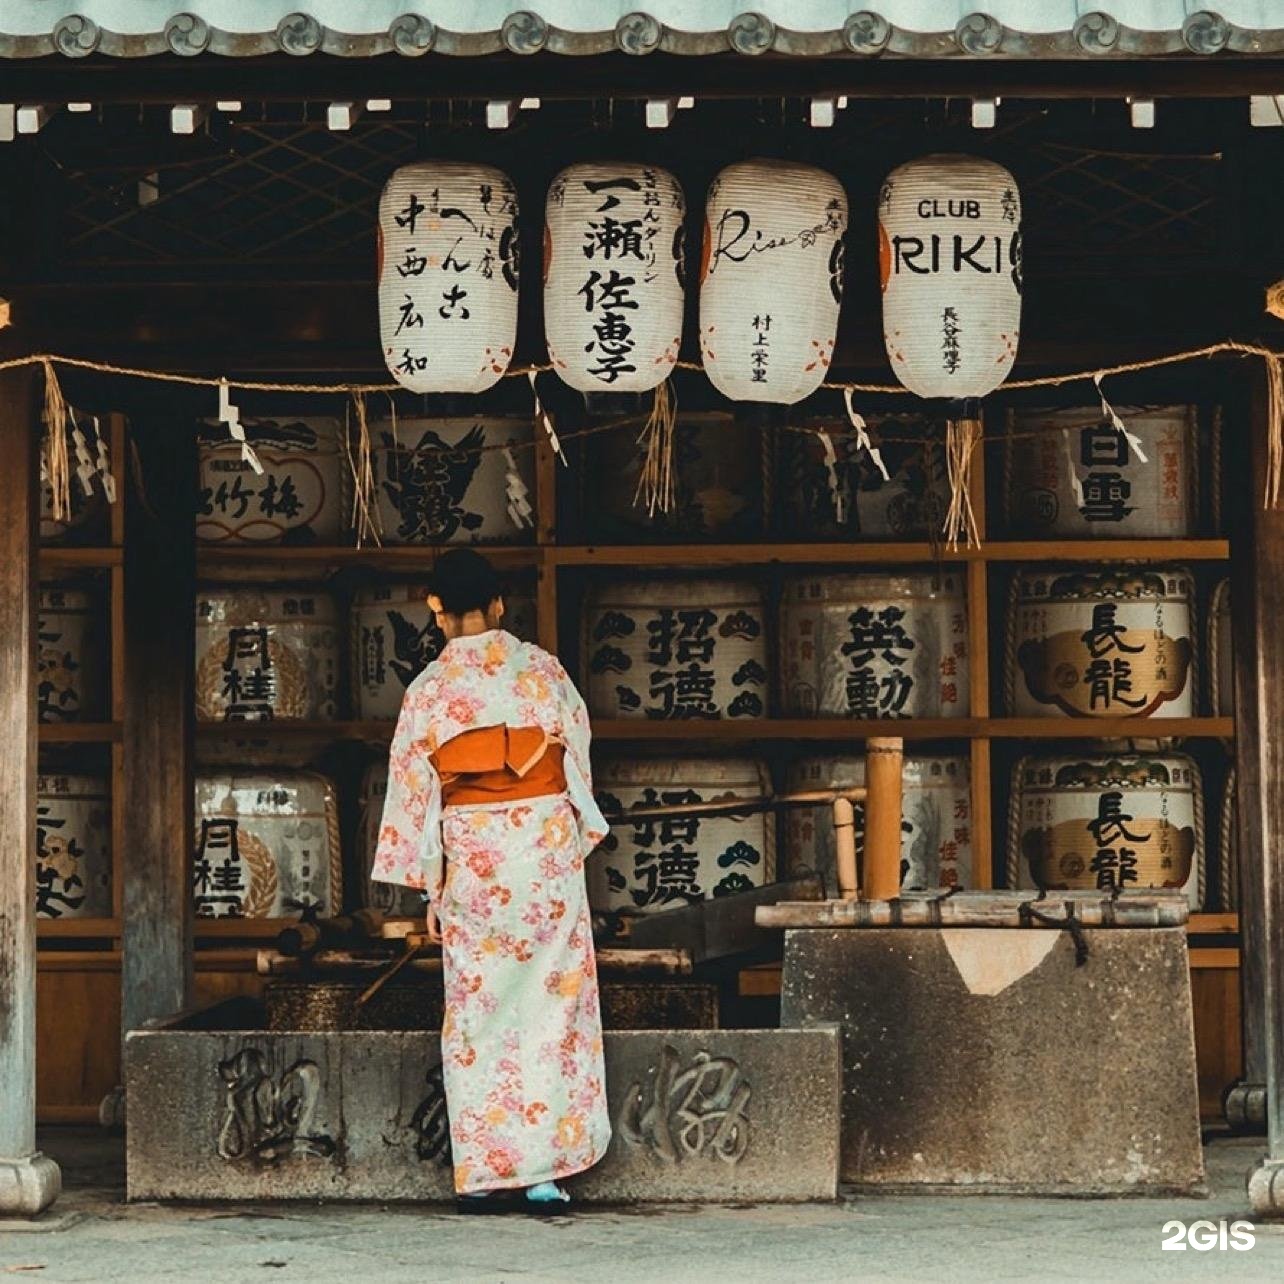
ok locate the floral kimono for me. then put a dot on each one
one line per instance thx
(490, 811)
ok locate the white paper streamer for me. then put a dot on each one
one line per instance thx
(831, 468)
(231, 416)
(104, 462)
(1134, 442)
(543, 417)
(84, 463)
(863, 441)
(1075, 484)
(520, 512)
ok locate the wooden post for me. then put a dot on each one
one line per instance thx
(845, 848)
(29, 1181)
(883, 765)
(160, 575)
(1259, 607)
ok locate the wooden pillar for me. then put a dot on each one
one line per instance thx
(29, 1181)
(1258, 610)
(160, 574)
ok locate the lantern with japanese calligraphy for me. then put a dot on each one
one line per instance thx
(949, 258)
(652, 865)
(302, 496)
(875, 646)
(267, 845)
(1110, 823)
(73, 846)
(448, 262)
(265, 655)
(1111, 643)
(613, 282)
(388, 898)
(936, 820)
(1072, 472)
(454, 481)
(771, 279)
(71, 669)
(681, 649)
(1221, 662)
(395, 636)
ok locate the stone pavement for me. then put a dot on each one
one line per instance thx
(92, 1237)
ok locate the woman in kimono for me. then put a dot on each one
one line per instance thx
(490, 813)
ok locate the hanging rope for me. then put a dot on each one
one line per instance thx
(961, 437)
(365, 512)
(655, 489)
(56, 466)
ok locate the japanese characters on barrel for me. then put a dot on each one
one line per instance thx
(613, 276)
(448, 271)
(771, 279)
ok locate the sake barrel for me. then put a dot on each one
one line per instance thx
(718, 465)
(454, 481)
(87, 512)
(664, 864)
(394, 901)
(262, 655)
(267, 845)
(1071, 473)
(936, 820)
(1110, 643)
(73, 846)
(676, 649)
(875, 646)
(1221, 660)
(394, 637)
(71, 656)
(1111, 823)
(302, 496)
(846, 495)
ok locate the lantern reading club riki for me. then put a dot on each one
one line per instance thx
(949, 251)
(613, 276)
(448, 258)
(771, 279)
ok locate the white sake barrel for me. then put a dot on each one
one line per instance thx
(771, 279)
(448, 257)
(718, 468)
(302, 495)
(73, 846)
(875, 646)
(1110, 643)
(264, 655)
(1129, 822)
(664, 864)
(1072, 473)
(676, 649)
(936, 820)
(466, 480)
(87, 512)
(849, 497)
(613, 275)
(71, 656)
(1221, 658)
(388, 898)
(394, 637)
(267, 845)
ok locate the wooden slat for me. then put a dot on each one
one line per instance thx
(240, 561)
(54, 558)
(79, 733)
(1214, 957)
(77, 928)
(239, 929)
(1224, 922)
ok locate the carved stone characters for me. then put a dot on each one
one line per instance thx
(266, 1117)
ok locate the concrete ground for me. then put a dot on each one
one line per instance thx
(92, 1236)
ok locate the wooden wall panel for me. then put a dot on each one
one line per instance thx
(77, 1042)
(1218, 1041)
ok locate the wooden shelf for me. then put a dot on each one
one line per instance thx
(250, 561)
(291, 728)
(851, 553)
(239, 929)
(911, 728)
(71, 559)
(1216, 921)
(79, 733)
(60, 928)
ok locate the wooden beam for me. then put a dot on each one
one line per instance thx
(160, 570)
(29, 1182)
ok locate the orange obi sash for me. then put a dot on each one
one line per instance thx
(499, 764)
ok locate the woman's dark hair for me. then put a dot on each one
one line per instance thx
(464, 581)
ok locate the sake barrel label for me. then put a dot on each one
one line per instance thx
(73, 847)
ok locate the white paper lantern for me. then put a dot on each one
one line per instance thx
(949, 250)
(771, 279)
(613, 286)
(448, 256)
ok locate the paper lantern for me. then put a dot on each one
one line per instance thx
(949, 251)
(448, 258)
(771, 279)
(613, 276)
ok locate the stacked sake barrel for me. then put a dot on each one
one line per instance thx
(73, 845)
